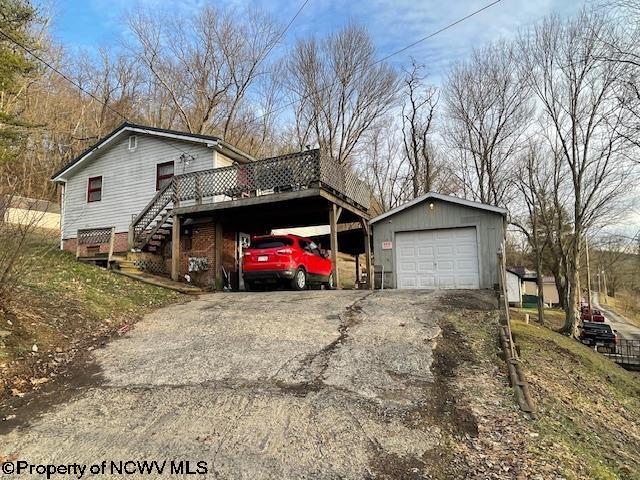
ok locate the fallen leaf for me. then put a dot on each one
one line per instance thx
(34, 348)
(38, 381)
(17, 393)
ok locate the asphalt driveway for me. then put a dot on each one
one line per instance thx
(280, 385)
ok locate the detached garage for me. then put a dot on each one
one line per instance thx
(438, 241)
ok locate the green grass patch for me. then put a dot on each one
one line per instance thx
(589, 407)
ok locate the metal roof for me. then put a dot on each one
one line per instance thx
(441, 197)
(154, 131)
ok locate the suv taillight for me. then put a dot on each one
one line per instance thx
(284, 251)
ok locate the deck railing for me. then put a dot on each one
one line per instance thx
(291, 172)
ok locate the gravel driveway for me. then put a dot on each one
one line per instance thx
(280, 385)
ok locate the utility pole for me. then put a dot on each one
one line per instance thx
(606, 292)
(586, 244)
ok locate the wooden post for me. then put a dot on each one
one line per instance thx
(367, 252)
(218, 256)
(357, 258)
(198, 190)
(77, 244)
(175, 249)
(334, 216)
(130, 237)
(586, 244)
(112, 240)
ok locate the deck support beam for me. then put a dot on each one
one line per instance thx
(175, 249)
(218, 256)
(334, 217)
(367, 252)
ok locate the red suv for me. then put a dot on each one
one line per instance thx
(286, 258)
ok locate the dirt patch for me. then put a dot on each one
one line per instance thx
(445, 404)
(68, 384)
(469, 300)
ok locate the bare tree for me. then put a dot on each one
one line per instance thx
(582, 115)
(343, 89)
(204, 66)
(488, 111)
(418, 110)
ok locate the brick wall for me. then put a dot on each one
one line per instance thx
(203, 242)
(121, 245)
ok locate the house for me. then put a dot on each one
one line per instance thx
(514, 289)
(438, 241)
(31, 212)
(185, 205)
(529, 285)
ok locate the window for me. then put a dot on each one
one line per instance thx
(164, 173)
(133, 142)
(94, 189)
(272, 242)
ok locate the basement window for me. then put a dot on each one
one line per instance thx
(133, 142)
(164, 174)
(94, 189)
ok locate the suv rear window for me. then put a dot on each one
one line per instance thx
(597, 326)
(272, 242)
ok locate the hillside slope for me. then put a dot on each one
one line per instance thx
(61, 307)
(589, 407)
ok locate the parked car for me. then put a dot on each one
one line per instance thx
(585, 316)
(596, 333)
(291, 259)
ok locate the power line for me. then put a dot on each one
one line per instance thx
(403, 49)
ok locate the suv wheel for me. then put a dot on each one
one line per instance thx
(299, 281)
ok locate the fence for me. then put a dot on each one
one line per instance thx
(625, 353)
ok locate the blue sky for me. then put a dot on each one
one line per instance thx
(90, 24)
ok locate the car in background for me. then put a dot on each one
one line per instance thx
(598, 334)
(290, 259)
(586, 316)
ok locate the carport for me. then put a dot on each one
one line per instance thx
(314, 191)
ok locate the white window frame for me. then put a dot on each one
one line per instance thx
(133, 139)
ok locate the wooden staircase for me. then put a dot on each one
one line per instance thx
(153, 225)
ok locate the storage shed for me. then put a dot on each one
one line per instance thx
(438, 241)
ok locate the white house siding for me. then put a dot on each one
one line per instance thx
(514, 289)
(128, 181)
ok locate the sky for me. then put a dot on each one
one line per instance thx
(91, 24)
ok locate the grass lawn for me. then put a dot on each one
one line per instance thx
(625, 304)
(61, 306)
(553, 317)
(589, 407)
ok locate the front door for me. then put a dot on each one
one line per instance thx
(243, 242)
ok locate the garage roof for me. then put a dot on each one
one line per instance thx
(444, 198)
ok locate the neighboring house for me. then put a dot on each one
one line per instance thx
(438, 241)
(115, 179)
(33, 212)
(187, 204)
(514, 289)
(529, 285)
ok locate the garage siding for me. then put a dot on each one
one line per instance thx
(489, 230)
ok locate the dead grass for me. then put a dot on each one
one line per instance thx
(553, 317)
(626, 304)
(589, 407)
(60, 307)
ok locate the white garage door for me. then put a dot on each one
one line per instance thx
(437, 259)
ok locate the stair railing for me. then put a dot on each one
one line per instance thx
(154, 208)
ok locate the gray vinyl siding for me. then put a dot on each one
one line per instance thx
(489, 230)
(128, 181)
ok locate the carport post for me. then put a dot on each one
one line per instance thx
(367, 252)
(334, 216)
(175, 248)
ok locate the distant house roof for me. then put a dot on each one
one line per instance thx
(529, 275)
(444, 198)
(523, 273)
(211, 141)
